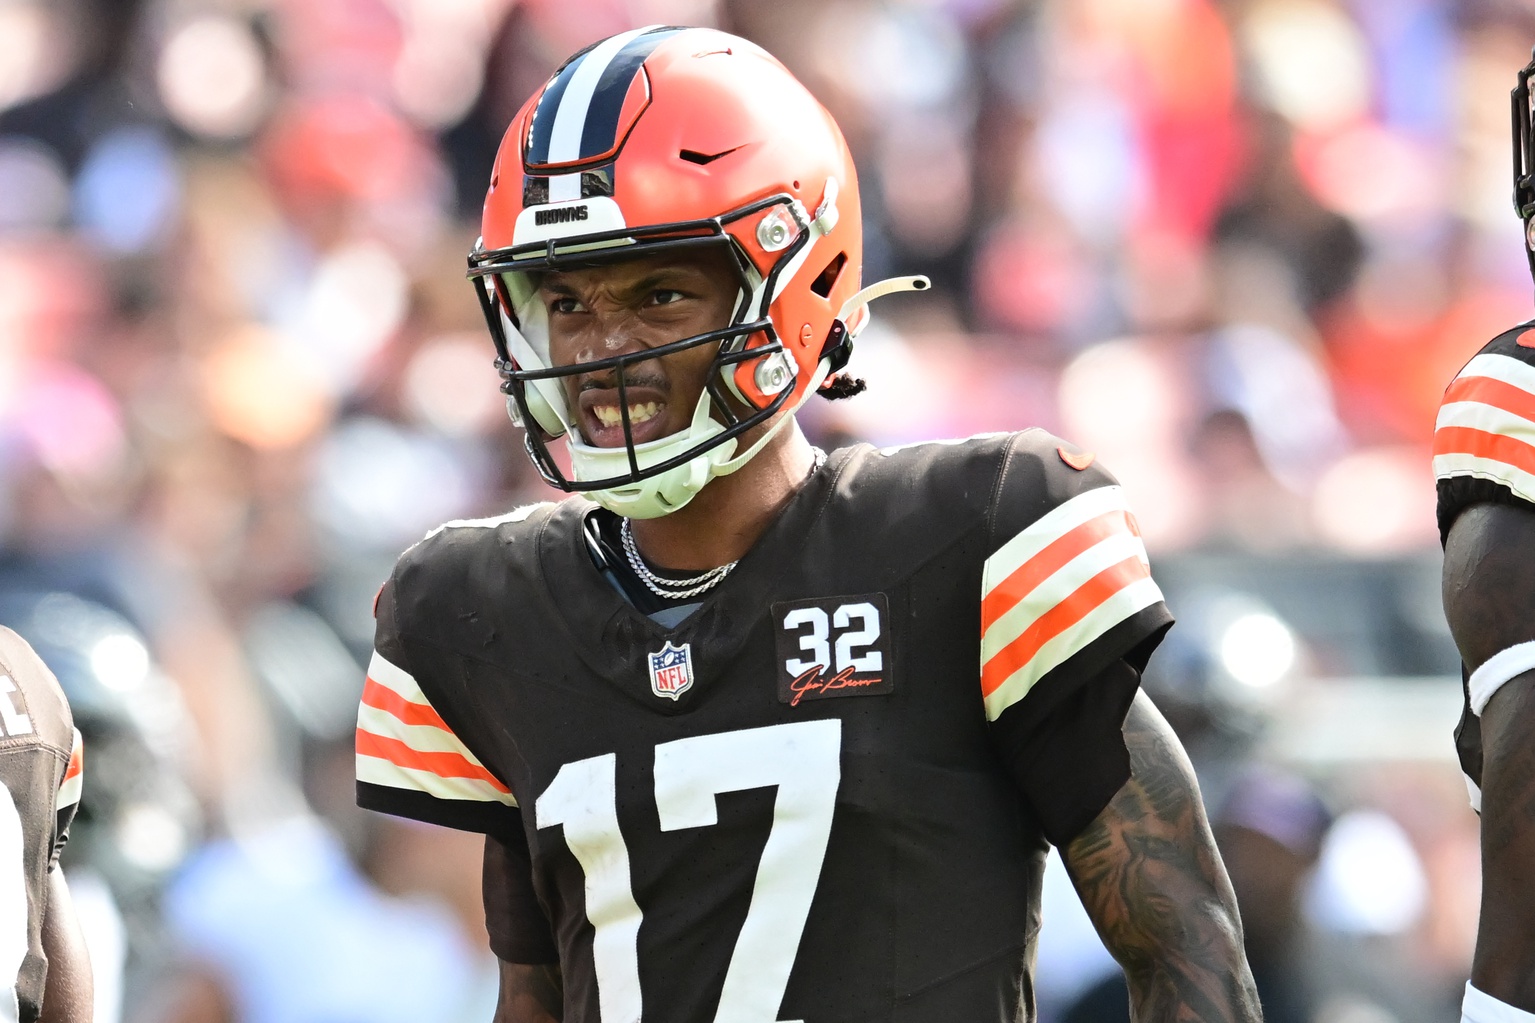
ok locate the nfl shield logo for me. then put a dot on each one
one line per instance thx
(671, 670)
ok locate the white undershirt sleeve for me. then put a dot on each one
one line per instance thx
(1480, 1007)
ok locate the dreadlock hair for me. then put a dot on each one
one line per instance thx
(842, 386)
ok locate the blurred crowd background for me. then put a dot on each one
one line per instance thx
(1235, 247)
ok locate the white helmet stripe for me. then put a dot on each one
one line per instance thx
(570, 118)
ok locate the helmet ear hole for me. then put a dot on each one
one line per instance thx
(827, 278)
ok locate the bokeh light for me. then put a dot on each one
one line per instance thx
(1312, 61)
(1257, 650)
(34, 187)
(212, 77)
(35, 52)
(121, 661)
(261, 394)
(451, 386)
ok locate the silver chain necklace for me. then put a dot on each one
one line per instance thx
(681, 589)
(669, 589)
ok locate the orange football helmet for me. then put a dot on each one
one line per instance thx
(665, 139)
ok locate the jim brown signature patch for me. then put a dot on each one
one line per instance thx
(833, 646)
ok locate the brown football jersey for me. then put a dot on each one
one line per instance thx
(824, 795)
(40, 768)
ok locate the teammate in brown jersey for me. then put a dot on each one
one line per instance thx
(44, 971)
(1484, 461)
(757, 733)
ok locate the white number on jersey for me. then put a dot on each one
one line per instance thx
(803, 760)
(12, 721)
(583, 798)
(849, 642)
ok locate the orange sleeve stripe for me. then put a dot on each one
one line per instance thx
(76, 763)
(444, 765)
(1071, 610)
(383, 698)
(1463, 440)
(1492, 391)
(1009, 593)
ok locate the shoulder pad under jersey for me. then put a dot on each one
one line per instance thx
(1484, 438)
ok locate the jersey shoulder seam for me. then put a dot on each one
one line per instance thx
(28, 743)
(999, 480)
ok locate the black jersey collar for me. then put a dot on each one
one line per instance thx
(614, 638)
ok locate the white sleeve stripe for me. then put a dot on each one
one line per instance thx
(1497, 671)
(1062, 584)
(395, 678)
(1515, 479)
(70, 792)
(1047, 529)
(377, 771)
(1478, 415)
(570, 117)
(422, 738)
(1501, 367)
(1128, 601)
(73, 785)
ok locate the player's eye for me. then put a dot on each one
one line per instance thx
(666, 296)
(566, 304)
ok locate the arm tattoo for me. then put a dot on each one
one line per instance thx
(530, 994)
(1147, 870)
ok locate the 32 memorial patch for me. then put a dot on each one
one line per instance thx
(833, 646)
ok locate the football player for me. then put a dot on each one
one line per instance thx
(44, 971)
(1484, 462)
(756, 732)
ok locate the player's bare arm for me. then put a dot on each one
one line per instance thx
(67, 998)
(1149, 874)
(1489, 598)
(530, 994)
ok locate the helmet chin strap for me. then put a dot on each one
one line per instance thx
(816, 380)
(855, 306)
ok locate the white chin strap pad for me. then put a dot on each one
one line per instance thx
(1497, 671)
(1480, 1007)
(664, 492)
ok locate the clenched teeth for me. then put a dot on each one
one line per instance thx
(608, 415)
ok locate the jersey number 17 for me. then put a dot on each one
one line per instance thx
(803, 760)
